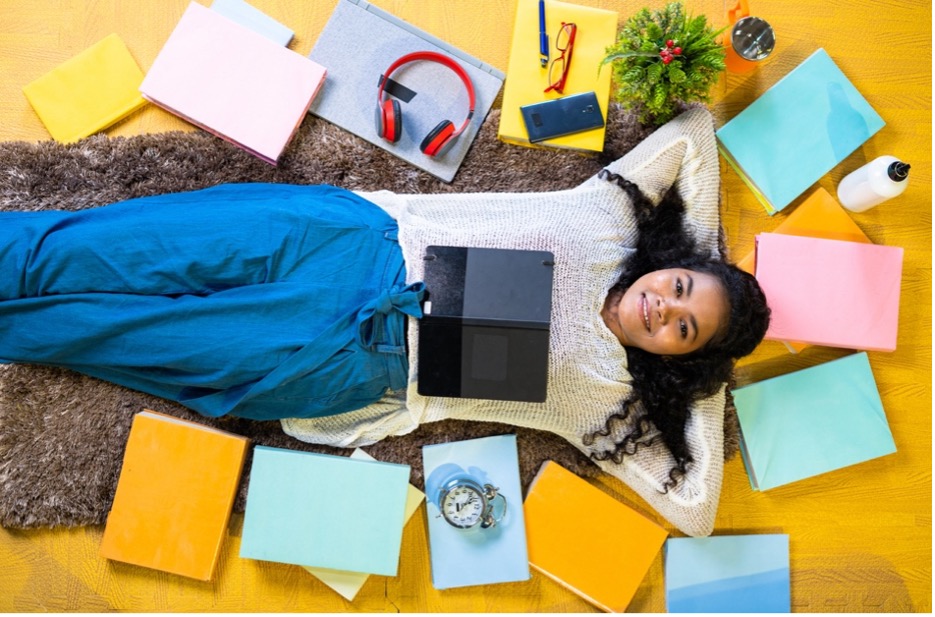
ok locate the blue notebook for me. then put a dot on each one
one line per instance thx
(325, 511)
(475, 556)
(812, 421)
(797, 131)
(253, 18)
(728, 574)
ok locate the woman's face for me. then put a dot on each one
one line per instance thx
(669, 312)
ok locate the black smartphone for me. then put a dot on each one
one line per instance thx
(570, 114)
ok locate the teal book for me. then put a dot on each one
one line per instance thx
(325, 511)
(797, 131)
(728, 574)
(811, 421)
(251, 17)
(464, 556)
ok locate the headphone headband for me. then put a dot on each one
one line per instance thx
(432, 56)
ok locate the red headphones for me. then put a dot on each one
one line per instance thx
(389, 117)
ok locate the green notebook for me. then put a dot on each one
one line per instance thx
(325, 511)
(811, 421)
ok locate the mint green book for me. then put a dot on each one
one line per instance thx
(812, 421)
(325, 511)
(797, 131)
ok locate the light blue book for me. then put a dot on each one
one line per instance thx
(476, 556)
(251, 17)
(797, 131)
(728, 574)
(325, 511)
(812, 421)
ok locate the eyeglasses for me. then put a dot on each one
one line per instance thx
(558, 70)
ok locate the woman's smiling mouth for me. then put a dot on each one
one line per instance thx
(644, 305)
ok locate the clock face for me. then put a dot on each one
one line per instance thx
(463, 506)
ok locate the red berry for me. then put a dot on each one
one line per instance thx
(666, 59)
(677, 51)
(670, 43)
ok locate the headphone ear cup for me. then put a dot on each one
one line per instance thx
(389, 120)
(439, 139)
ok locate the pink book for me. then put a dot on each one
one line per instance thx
(233, 82)
(830, 292)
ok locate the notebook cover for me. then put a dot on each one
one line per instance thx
(567, 517)
(89, 92)
(233, 82)
(818, 216)
(460, 558)
(358, 43)
(174, 495)
(255, 19)
(797, 131)
(728, 574)
(325, 511)
(348, 584)
(485, 330)
(527, 79)
(830, 292)
(489, 286)
(812, 421)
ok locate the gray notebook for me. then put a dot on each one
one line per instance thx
(359, 43)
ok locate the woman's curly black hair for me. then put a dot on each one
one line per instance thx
(664, 387)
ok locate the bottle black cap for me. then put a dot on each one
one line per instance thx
(898, 171)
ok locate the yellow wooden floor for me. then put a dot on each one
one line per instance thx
(860, 537)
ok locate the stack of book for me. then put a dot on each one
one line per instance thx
(233, 81)
(797, 131)
(830, 292)
(325, 511)
(527, 79)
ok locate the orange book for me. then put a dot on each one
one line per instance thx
(819, 216)
(584, 539)
(174, 496)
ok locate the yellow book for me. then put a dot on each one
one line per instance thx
(174, 495)
(526, 79)
(89, 92)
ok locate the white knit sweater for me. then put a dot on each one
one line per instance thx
(590, 229)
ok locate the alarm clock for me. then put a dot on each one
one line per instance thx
(465, 503)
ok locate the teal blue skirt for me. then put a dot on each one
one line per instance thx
(263, 301)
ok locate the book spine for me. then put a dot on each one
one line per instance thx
(576, 591)
(770, 210)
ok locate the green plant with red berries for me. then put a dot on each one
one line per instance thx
(662, 58)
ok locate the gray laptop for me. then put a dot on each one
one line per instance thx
(485, 330)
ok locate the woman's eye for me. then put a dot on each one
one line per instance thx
(678, 288)
(683, 327)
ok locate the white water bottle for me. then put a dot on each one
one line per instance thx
(882, 178)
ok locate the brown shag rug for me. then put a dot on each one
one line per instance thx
(62, 434)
